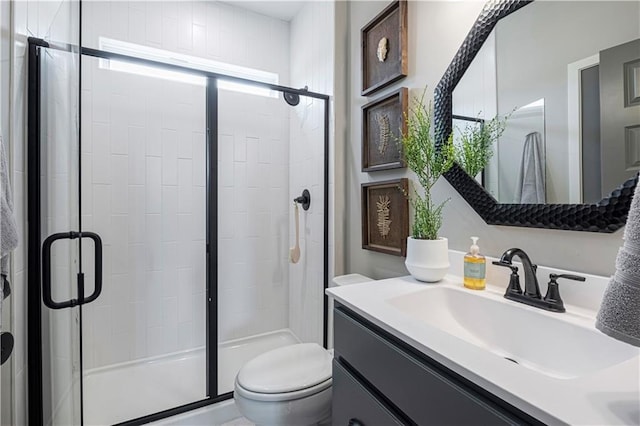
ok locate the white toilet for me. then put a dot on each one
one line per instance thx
(286, 386)
(289, 385)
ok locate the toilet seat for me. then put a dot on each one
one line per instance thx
(281, 397)
(286, 373)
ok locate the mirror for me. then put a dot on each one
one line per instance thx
(567, 76)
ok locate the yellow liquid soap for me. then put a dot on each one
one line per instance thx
(475, 266)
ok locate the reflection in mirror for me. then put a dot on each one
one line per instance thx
(573, 92)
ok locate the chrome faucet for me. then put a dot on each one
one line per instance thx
(531, 295)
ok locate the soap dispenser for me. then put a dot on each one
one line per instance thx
(475, 266)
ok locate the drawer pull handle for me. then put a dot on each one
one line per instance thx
(355, 422)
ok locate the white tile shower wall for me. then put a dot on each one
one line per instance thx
(50, 20)
(253, 221)
(312, 61)
(213, 30)
(223, 32)
(144, 193)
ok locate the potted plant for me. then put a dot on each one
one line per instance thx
(427, 253)
(475, 149)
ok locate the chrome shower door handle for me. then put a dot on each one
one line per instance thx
(46, 270)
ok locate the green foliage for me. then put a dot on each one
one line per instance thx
(476, 145)
(428, 163)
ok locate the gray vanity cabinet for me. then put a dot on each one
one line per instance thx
(379, 380)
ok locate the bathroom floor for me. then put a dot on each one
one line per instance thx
(169, 381)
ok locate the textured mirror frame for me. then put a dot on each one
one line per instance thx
(607, 216)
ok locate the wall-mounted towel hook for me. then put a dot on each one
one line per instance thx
(304, 199)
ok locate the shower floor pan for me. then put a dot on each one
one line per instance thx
(129, 390)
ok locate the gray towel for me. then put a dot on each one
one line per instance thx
(530, 188)
(632, 230)
(619, 314)
(8, 228)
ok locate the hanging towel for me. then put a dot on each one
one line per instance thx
(619, 314)
(8, 228)
(531, 181)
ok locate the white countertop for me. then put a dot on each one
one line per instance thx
(609, 396)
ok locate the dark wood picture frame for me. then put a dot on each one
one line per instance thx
(385, 216)
(391, 24)
(383, 124)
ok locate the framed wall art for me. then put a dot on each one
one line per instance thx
(385, 216)
(383, 124)
(384, 48)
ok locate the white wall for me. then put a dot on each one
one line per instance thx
(431, 49)
(311, 65)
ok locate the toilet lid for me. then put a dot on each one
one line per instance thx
(286, 369)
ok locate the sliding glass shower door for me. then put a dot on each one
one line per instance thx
(160, 221)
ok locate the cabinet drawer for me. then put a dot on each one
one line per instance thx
(353, 405)
(426, 394)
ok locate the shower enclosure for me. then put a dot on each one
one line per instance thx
(160, 219)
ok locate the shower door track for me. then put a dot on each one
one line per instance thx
(34, 296)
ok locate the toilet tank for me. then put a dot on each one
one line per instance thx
(341, 280)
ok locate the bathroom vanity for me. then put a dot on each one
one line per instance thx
(413, 353)
(378, 379)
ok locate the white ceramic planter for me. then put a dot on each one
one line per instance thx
(427, 260)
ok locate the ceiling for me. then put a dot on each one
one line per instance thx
(285, 10)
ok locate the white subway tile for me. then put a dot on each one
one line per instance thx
(153, 185)
(200, 160)
(137, 31)
(169, 34)
(155, 341)
(137, 213)
(169, 311)
(119, 20)
(101, 153)
(186, 227)
(119, 187)
(169, 157)
(170, 285)
(171, 338)
(266, 148)
(170, 256)
(185, 26)
(169, 213)
(185, 144)
(153, 27)
(87, 186)
(102, 211)
(137, 160)
(240, 149)
(225, 148)
(226, 174)
(185, 335)
(185, 184)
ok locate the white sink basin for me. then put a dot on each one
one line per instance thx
(555, 344)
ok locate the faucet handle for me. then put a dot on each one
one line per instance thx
(514, 280)
(554, 277)
(553, 290)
